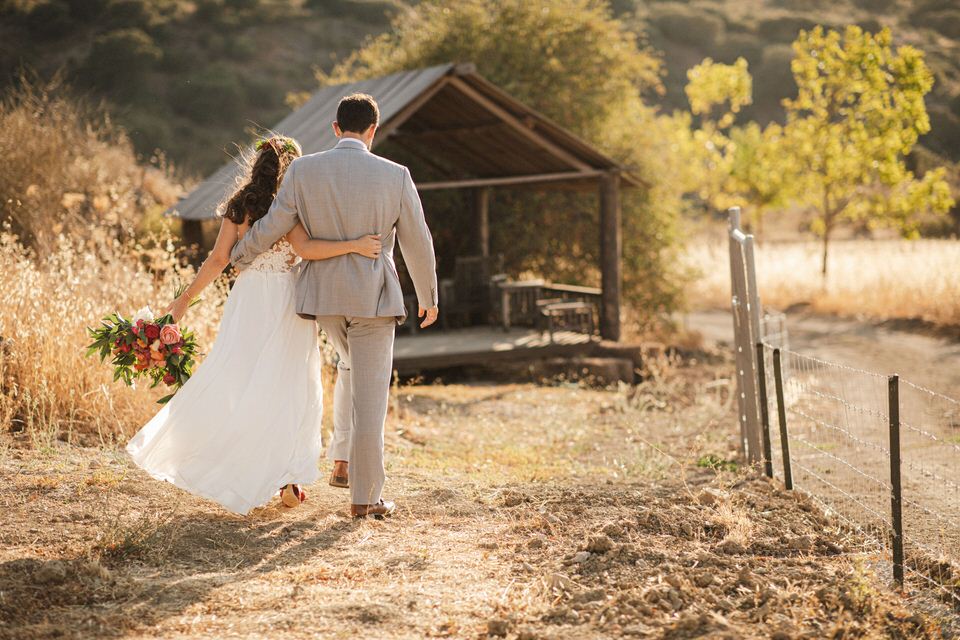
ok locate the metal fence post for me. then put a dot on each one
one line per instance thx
(782, 415)
(764, 412)
(896, 490)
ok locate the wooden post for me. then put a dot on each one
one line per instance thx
(896, 486)
(611, 250)
(192, 234)
(481, 208)
(782, 418)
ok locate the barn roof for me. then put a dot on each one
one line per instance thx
(462, 128)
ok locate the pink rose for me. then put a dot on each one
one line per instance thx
(170, 334)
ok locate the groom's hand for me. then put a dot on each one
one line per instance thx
(431, 316)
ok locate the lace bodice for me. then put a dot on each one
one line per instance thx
(279, 259)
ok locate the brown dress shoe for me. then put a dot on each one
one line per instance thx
(379, 511)
(339, 477)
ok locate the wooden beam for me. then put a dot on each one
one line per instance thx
(481, 206)
(191, 232)
(480, 129)
(421, 156)
(511, 180)
(387, 128)
(519, 126)
(611, 254)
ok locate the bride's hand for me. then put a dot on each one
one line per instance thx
(178, 308)
(368, 246)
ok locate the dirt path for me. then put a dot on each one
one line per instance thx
(526, 512)
(925, 360)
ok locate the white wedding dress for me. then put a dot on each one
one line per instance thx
(248, 421)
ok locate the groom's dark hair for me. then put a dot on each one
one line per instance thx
(357, 112)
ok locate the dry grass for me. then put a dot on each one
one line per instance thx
(49, 390)
(65, 165)
(877, 279)
(518, 518)
(77, 210)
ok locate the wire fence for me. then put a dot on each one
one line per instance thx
(879, 453)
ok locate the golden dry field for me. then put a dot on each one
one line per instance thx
(872, 279)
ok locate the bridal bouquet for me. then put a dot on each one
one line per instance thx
(145, 347)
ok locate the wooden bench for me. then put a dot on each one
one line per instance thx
(574, 316)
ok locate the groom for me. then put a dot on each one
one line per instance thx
(348, 192)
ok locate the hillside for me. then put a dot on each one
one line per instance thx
(188, 77)
(762, 30)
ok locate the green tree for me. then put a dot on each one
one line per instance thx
(858, 113)
(575, 63)
(737, 165)
(119, 59)
(763, 176)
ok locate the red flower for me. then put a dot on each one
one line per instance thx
(169, 379)
(153, 331)
(125, 348)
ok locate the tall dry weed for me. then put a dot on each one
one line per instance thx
(65, 165)
(73, 201)
(49, 389)
(879, 279)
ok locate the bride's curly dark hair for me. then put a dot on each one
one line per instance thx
(265, 169)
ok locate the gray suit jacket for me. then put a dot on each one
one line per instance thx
(341, 194)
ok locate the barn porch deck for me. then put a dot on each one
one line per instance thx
(485, 345)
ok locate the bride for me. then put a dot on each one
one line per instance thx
(247, 423)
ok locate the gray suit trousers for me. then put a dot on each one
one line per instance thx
(365, 347)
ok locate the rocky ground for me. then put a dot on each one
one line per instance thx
(525, 512)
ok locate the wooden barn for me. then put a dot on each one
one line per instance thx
(457, 130)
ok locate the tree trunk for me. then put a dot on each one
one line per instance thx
(826, 247)
(827, 228)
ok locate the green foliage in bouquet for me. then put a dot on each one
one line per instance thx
(144, 347)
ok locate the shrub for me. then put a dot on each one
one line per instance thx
(946, 21)
(737, 45)
(370, 11)
(49, 19)
(212, 95)
(87, 10)
(130, 14)
(120, 58)
(876, 6)
(944, 136)
(61, 172)
(773, 79)
(242, 5)
(240, 48)
(209, 10)
(784, 28)
(687, 25)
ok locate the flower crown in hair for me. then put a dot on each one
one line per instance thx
(280, 144)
